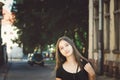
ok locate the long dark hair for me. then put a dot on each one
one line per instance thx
(60, 59)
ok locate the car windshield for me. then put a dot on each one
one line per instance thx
(38, 56)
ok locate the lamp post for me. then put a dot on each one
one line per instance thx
(1, 16)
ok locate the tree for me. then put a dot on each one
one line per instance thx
(42, 22)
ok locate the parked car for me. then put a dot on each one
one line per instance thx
(35, 58)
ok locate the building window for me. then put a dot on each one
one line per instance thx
(96, 24)
(107, 26)
(117, 25)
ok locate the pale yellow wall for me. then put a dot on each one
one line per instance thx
(111, 56)
(108, 56)
(90, 49)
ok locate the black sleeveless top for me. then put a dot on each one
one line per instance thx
(64, 75)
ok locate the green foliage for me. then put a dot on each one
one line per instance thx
(81, 40)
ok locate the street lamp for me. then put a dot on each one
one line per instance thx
(1, 16)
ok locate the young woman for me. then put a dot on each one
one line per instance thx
(70, 64)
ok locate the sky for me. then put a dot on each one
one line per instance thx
(8, 5)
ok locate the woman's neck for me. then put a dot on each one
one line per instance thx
(71, 60)
(71, 65)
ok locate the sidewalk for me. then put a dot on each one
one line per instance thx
(3, 71)
(105, 78)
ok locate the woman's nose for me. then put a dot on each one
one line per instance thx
(65, 49)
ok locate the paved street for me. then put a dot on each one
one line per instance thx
(20, 70)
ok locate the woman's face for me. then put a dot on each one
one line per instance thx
(65, 48)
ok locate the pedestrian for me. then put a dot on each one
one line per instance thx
(70, 64)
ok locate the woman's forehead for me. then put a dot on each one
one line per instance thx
(62, 42)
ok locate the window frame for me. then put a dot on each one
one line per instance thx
(107, 26)
(117, 25)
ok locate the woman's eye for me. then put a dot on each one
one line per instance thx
(66, 45)
(61, 48)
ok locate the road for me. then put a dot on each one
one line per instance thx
(20, 70)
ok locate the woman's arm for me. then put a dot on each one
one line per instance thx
(90, 70)
(58, 79)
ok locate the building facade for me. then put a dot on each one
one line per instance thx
(110, 36)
